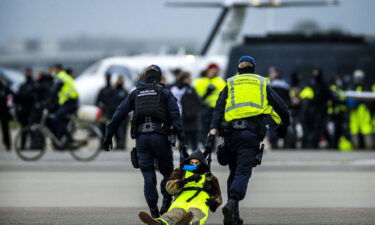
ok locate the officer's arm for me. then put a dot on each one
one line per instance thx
(278, 105)
(174, 113)
(120, 115)
(219, 110)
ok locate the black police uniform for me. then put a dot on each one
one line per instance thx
(242, 145)
(155, 110)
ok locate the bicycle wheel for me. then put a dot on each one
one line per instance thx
(30, 143)
(87, 142)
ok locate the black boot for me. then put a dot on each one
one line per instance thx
(229, 212)
(165, 206)
(155, 212)
(237, 218)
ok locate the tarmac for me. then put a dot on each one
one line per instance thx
(290, 187)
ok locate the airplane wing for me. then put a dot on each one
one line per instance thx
(251, 3)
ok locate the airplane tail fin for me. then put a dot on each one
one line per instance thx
(227, 28)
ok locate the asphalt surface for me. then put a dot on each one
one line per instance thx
(305, 187)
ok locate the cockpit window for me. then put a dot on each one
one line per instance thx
(119, 70)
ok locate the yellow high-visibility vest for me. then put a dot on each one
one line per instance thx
(307, 93)
(68, 90)
(201, 84)
(247, 97)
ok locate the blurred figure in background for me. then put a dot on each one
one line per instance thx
(25, 100)
(70, 72)
(176, 75)
(337, 112)
(293, 138)
(67, 95)
(315, 97)
(208, 89)
(360, 116)
(104, 101)
(119, 95)
(189, 104)
(282, 88)
(4, 114)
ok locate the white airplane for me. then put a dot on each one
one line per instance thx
(224, 35)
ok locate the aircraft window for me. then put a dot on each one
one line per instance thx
(119, 70)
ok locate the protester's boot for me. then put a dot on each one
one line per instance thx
(237, 218)
(147, 219)
(165, 206)
(229, 212)
(186, 219)
(155, 212)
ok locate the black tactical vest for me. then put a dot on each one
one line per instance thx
(149, 102)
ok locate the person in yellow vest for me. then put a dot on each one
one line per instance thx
(196, 191)
(239, 114)
(208, 88)
(67, 98)
(360, 116)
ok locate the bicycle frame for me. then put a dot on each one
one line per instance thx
(46, 131)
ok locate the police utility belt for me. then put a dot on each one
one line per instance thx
(151, 127)
(243, 124)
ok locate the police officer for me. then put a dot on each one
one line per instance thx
(314, 108)
(155, 111)
(67, 96)
(240, 110)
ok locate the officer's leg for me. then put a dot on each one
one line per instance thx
(232, 171)
(146, 164)
(164, 156)
(244, 161)
(246, 146)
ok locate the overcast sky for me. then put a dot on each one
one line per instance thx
(55, 19)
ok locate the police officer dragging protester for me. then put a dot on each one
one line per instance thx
(196, 191)
(155, 111)
(239, 117)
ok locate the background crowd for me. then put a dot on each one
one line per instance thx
(322, 117)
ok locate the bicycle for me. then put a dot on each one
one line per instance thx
(84, 140)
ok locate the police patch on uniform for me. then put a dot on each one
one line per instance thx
(146, 93)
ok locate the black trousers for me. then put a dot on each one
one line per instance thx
(243, 147)
(153, 148)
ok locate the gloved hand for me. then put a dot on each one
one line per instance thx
(107, 144)
(195, 178)
(209, 145)
(281, 130)
(212, 204)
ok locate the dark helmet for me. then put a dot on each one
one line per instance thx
(153, 74)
